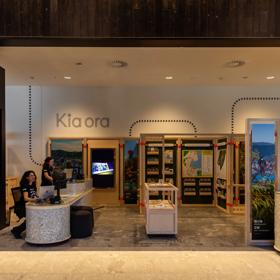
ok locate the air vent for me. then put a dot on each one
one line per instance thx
(235, 63)
(118, 64)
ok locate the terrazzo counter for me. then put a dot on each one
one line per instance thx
(50, 223)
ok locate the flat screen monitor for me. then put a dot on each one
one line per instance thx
(103, 167)
(59, 179)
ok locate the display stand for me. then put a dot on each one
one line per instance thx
(197, 172)
(129, 159)
(222, 178)
(169, 161)
(153, 161)
(238, 186)
(162, 213)
(261, 180)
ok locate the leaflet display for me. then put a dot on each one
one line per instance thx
(197, 163)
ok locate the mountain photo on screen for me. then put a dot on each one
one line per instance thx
(263, 180)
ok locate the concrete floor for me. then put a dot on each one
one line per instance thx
(122, 228)
(209, 246)
(132, 265)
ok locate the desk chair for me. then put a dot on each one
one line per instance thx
(16, 197)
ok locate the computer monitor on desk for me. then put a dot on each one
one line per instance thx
(59, 181)
(46, 192)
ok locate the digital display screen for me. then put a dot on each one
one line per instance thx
(102, 168)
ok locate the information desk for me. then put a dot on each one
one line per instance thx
(50, 223)
(161, 208)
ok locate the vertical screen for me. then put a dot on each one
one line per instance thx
(262, 180)
(103, 168)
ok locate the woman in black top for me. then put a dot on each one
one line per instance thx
(47, 171)
(28, 194)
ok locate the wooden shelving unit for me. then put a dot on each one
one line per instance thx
(153, 161)
(170, 161)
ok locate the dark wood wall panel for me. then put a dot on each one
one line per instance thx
(140, 18)
(2, 151)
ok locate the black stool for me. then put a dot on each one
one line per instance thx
(81, 223)
(82, 207)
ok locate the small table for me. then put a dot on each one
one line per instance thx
(161, 213)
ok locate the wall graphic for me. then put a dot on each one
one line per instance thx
(197, 163)
(221, 165)
(162, 121)
(68, 155)
(262, 181)
(241, 163)
(238, 100)
(148, 109)
(130, 171)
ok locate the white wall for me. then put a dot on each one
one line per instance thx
(209, 108)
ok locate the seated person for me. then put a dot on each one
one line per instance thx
(28, 194)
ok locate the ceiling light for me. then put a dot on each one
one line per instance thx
(118, 63)
(270, 77)
(168, 78)
(67, 77)
(234, 63)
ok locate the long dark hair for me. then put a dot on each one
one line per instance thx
(47, 160)
(24, 181)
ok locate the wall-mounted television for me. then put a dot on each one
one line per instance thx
(103, 167)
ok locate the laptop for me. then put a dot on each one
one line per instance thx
(46, 192)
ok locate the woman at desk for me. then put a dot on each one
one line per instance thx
(47, 179)
(28, 194)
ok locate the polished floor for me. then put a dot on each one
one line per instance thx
(123, 228)
(135, 265)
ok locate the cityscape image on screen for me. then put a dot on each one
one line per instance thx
(102, 168)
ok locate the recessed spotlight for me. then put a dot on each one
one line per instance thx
(118, 64)
(245, 77)
(168, 78)
(235, 63)
(67, 77)
(270, 77)
(78, 63)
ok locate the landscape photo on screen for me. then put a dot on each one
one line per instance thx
(197, 163)
(68, 154)
(130, 171)
(262, 180)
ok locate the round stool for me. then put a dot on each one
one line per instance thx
(82, 207)
(81, 223)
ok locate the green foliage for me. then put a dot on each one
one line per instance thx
(263, 203)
